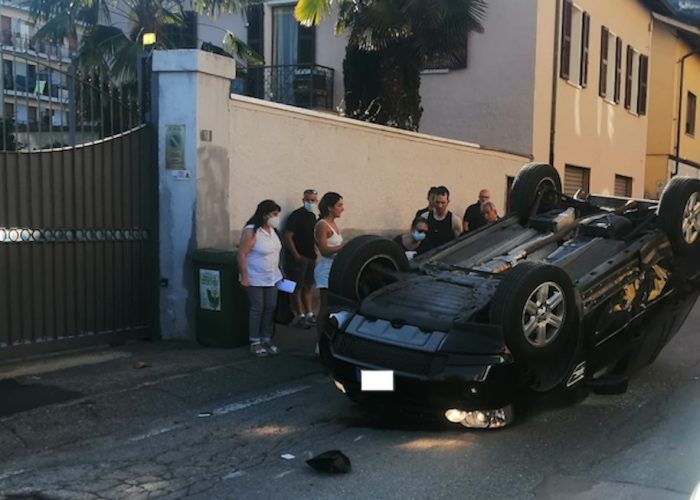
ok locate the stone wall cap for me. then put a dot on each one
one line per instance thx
(193, 61)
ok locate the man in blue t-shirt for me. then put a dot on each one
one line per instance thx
(301, 257)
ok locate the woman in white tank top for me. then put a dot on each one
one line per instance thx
(259, 267)
(329, 242)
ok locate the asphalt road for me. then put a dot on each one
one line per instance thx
(209, 424)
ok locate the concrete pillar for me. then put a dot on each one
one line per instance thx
(191, 98)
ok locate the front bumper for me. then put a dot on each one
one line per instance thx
(425, 384)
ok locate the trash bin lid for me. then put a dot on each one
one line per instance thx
(212, 256)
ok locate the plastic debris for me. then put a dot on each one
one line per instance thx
(287, 456)
(205, 414)
(141, 364)
(333, 461)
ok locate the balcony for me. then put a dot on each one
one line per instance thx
(25, 44)
(303, 85)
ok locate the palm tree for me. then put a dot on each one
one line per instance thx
(107, 49)
(390, 43)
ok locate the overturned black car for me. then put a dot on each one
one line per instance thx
(565, 291)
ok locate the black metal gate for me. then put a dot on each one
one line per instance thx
(78, 245)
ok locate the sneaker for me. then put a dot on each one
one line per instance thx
(271, 348)
(311, 320)
(257, 349)
(302, 322)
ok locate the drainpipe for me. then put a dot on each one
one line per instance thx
(555, 80)
(680, 109)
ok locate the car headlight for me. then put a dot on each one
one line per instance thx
(481, 419)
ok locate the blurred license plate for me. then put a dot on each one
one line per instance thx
(376, 380)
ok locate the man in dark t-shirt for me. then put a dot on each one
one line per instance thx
(473, 218)
(301, 257)
(443, 226)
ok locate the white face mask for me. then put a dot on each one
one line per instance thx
(274, 222)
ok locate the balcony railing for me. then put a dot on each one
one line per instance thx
(302, 85)
(24, 43)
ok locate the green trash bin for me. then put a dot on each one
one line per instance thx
(222, 303)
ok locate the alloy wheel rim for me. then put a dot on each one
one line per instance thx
(691, 219)
(543, 314)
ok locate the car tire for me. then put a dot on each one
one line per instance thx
(543, 340)
(679, 214)
(364, 265)
(533, 179)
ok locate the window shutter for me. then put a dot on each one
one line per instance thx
(623, 186)
(584, 49)
(576, 178)
(618, 68)
(642, 96)
(306, 45)
(628, 78)
(565, 40)
(603, 78)
(255, 30)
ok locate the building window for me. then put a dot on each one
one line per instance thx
(623, 186)
(636, 71)
(574, 44)
(610, 66)
(690, 114)
(6, 30)
(576, 178)
(8, 75)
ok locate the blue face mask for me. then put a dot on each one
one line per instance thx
(311, 207)
(418, 236)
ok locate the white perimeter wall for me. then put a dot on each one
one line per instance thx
(382, 173)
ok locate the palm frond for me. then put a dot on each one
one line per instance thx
(310, 12)
(99, 48)
(236, 48)
(55, 29)
(215, 7)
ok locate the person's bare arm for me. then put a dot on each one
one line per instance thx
(291, 247)
(244, 247)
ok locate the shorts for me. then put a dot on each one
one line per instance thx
(302, 272)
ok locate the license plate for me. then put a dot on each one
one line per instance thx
(376, 380)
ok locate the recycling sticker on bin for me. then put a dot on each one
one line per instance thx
(209, 290)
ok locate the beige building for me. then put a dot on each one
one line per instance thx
(565, 81)
(673, 144)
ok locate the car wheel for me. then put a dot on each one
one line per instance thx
(535, 181)
(535, 306)
(366, 264)
(679, 214)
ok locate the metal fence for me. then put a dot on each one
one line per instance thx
(303, 85)
(47, 103)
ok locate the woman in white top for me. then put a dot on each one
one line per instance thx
(329, 242)
(259, 267)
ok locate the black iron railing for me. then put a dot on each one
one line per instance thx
(303, 85)
(47, 104)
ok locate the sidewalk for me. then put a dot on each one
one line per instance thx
(63, 399)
